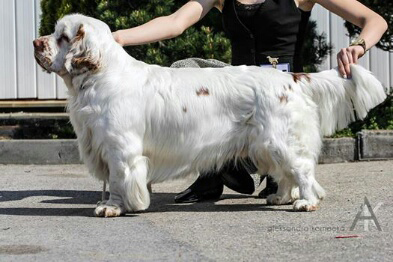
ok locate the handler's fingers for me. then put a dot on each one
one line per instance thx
(341, 69)
(343, 58)
(347, 60)
(355, 56)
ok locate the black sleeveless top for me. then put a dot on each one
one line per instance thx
(278, 31)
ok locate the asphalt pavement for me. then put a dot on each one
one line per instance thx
(46, 214)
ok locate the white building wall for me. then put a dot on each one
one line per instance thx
(22, 78)
(7, 50)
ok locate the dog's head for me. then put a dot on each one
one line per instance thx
(75, 47)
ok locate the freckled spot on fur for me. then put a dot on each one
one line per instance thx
(298, 77)
(45, 44)
(44, 62)
(87, 62)
(290, 87)
(202, 92)
(283, 99)
(184, 109)
(80, 34)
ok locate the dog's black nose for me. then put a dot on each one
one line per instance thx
(38, 45)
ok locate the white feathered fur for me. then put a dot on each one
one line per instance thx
(138, 123)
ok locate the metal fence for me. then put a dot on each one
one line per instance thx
(21, 77)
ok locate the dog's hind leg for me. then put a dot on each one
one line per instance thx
(287, 192)
(310, 192)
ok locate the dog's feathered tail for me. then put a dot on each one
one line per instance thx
(338, 99)
(137, 195)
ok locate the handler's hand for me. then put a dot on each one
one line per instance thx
(347, 56)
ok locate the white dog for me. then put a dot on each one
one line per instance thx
(138, 124)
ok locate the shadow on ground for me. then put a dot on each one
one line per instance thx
(69, 196)
(161, 203)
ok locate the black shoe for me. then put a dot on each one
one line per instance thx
(237, 178)
(210, 186)
(271, 188)
(206, 188)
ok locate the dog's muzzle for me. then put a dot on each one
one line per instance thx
(39, 48)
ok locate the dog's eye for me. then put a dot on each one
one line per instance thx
(61, 38)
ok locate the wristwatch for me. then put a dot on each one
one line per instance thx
(361, 42)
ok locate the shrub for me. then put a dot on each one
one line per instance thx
(205, 40)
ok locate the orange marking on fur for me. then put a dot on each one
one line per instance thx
(283, 99)
(298, 77)
(202, 92)
(87, 62)
(80, 34)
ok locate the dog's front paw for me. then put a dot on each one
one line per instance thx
(305, 205)
(103, 210)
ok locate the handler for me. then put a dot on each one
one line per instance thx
(262, 32)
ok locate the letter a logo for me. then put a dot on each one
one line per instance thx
(366, 213)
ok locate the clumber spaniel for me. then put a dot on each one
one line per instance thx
(138, 124)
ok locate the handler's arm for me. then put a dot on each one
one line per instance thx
(373, 27)
(165, 27)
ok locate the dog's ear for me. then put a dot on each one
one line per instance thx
(84, 54)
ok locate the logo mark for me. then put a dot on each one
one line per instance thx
(366, 214)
